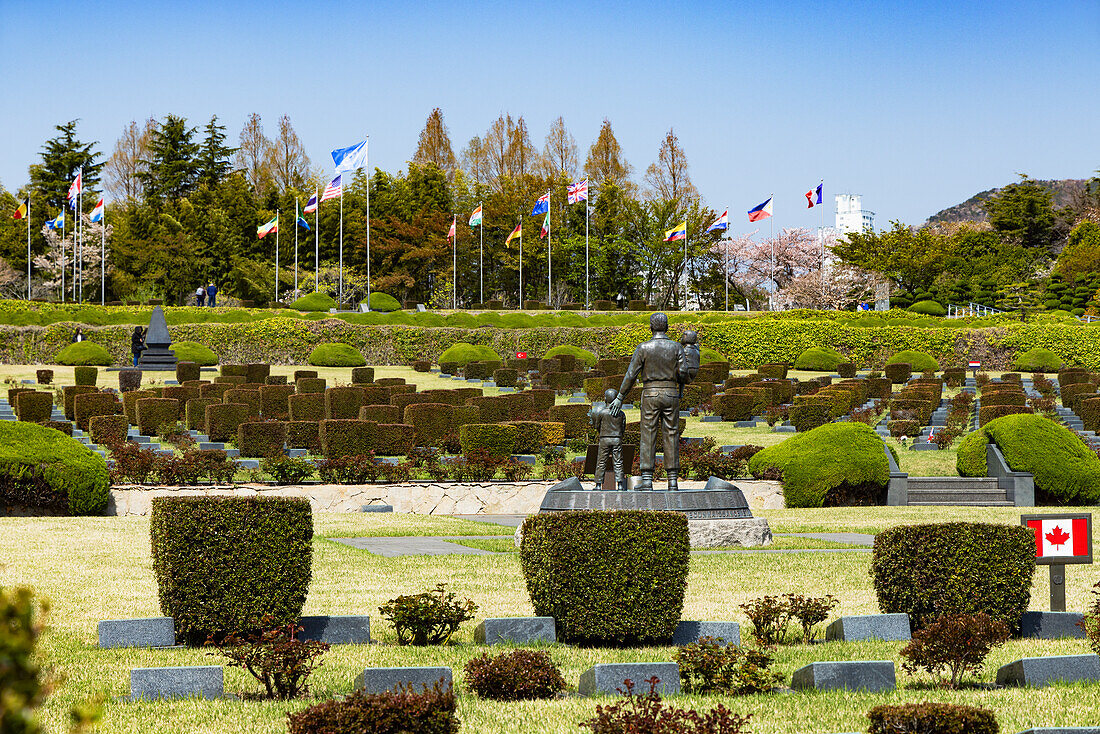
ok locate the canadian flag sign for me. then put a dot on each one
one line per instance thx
(1061, 538)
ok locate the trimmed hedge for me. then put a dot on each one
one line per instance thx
(578, 354)
(574, 416)
(1066, 471)
(223, 563)
(187, 371)
(807, 415)
(304, 374)
(917, 361)
(275, 401)
(989, 413)
(336, 355)
(819, 359)
(194, 413)
(898, 372)
(42, 468)
(341, 438)
(734, 405)
(343, 402)
(188, 351)
(180, 393)
(34, 407)
(307, 385)
(834, 464)
(222, 420)
(505, 377)
(88, 405)
(1089, 410)
(954, 568)
(251, 398)
(85, 375)
(214, 390)
(362, 375)
(932, 718)
(462, 353)
(108, 430)
(775, 371)
(380, 413)
(82, 353)
(152, 413)
(256, 373)
(530, 437)
(495, 438)
(314, 302)
(1037, 360)
(582, 569)
(928, 308)
(261, 439)
(394, 439)
(129, 379)
(302, 434)
(433, 422)
(1070, 392)
(383, 302)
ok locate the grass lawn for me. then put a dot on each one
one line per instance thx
(99, 568)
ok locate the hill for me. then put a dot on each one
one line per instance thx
(971, 210)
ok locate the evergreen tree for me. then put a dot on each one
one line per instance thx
(213, 158)
(1023, 213)
(62, 157)
(173, 167)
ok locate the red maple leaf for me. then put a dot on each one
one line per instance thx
(1057, 537)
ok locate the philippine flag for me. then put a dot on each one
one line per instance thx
(97, 213)
(1060, 536)
(721, 223)
(810, 199)
(761, 211)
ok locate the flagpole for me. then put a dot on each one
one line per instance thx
(454, 266)
(277, 254)
(28, 246)
(481, 255)
(549, 256)
(520, 307)
(317, 244)
(77, 247)
(822, 236)
(103, 257)
(63, 257)
(771, 236)
(340, 287)
(587, 281)
(296, 245)
(726, 270)
(365, 159)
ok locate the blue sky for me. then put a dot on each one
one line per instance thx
(915, 105)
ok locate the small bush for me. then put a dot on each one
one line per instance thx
(187, 371)
(43, 377)
(496, 439)
(395, 712)
(428, 618)
(336, 355)
(33, 407)
(575, 418)
(519, 675)
(1037, 360)
(931, 718)
(928, 308)
(341, 438)
(343, 402)
(846, 370)
(462, 353)
(819, 359)
(954, 568)
(711, 666)
(1066, 471)
(275, 401)
(917, 361)
(261, 439)
(23, 681)
(362, 375)
(954, 644)
(274, 656)
(152, 413)
(898, 372)
(776, 371)
(314, 302)
(646, 713)
(580, 355)
(87, 405)
(383, 302)
(807, 416)
(286, 469)
(108, 430)
(581, 569)
(505, 377)
(222, 420)
(306, 406)
(85, 375)
(81, 353)
(43, 468)
(381, 413)
(223, 563)
(194, 352)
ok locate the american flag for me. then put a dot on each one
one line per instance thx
(311, 205)
(333, 190)
(578, 191)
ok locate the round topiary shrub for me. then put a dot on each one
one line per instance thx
(223, 563)
(383, 302)
(928, 308)
(954, 568)
(709, 356)
(819, 359)
(582, 569)
(580, 355)
(497, 439)
(1066, 471)
(84, 353)
(336, 355)
(1037, 360)
(462, 353)
(917, 361)
(314, 302)
(836, 464)
(42, 468)
(194, 352)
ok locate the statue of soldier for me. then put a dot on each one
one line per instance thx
(659, 363)
(611, 429)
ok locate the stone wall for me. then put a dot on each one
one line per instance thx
(421, 498)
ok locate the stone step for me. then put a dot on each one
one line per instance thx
(954, 503)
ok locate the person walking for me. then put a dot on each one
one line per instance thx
(200, 296)
(211, 294)
(137, 343)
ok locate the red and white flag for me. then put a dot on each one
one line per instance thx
(451, 231)
(1060, 537)
(77, 186)
(333, 190)
(577, 191)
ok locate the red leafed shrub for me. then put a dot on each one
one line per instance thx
(932, 718)
(519, 675)
(395, 712)
(953, 645)
(645, 712)
(274, 656)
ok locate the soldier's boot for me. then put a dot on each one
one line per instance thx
(620, 481)
(645, 482)
(673, 485)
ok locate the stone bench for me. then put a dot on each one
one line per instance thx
(1051, 625)
(608, 678)
(1038, 672)
(380, 680)
(516, 630)
(336, 630)
(149, 632)
(869, 675)
(887, 627)
(202, 681)
(688, 632)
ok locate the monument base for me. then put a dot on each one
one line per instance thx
(724, 533)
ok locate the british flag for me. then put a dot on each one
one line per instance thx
(578, 191)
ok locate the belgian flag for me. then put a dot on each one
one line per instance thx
(21, 212)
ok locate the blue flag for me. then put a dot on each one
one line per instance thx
(351, 157)
(542, 205)
(302, 223)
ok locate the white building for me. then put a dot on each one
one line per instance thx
(850, 214)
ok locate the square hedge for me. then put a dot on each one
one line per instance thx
(343, 402)
(275, 401)
(129, 379)
(574, 416)
(302, 374)
(306, 407)
(108, 430)
(394, 439)
(182, 394)
(390, 381)
(530, 437)
(251, 398)
(85, 375)
(276, 380)
(230, 379)
(91, 404)
(308, 385)
(302, 434)
(375, 394)
(380, 413)
(543, 398)
(346, 437)
(33, 406)
(261, 439)
(216, 390)
(433, 422)
(360, 375)
(496, 438)
(451, 397)
(234, 370)
(152, 413)
(521, 405)
(187, 371)
(194, 413)
(492, 408)
(129, 403)
(68, 394)
(222, 420)
(257, 372)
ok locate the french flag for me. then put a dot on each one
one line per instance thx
(761, 211)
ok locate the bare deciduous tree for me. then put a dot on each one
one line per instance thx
(668, 178)
(560, 151)
(120, 173)
(253, 156)
(288, 161)
(435, 145)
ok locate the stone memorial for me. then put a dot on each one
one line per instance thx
(688, 632)
(157, 354)
(516, 630)
(1038, 672)
(336, 630)
(1051, 625)
(607, 678)
(202, 681)
(886, 627)
(868, 675)
(150, 632)
(380, 680)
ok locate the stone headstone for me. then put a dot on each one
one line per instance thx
(869, 675)
(887, 627)
(608, 678)
(202, 681)
(688, 632)
(380, 680)
(150, 632)
(336, 630)
(1051, 625)
(516, 630)
(376, 508)
(1037, 672)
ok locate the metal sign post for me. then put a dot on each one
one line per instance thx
(1060, 540)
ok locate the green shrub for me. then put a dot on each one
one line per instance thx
(428, 618)
(574, 416)
(711, 666)
(505, 377)
(898, 372)
(187, 351)
(87, 405)
(1089, 410)
(432, 422)
(1070, 392)
(832, 465)
(917, 361)
(401, 711)
(223, 563)
(108, 430)
(496, 439)
(709, 356)
(519, 675)
(187, 371)
(954, 568)
(928, 308)
(988, 413)
(775, 371)
(314, 302)
(152, 413)
(530, 437)
(43, 468)
(952, 645)
(309, 385)
(32, 406)
(808, 415)
(481, 369)
(394, 439)
(363, 375)
(256, 373)
(85, 375)
(383, 302)
(462, 353)
(1066, 471)
(336, 355)
(261, 439)
(735, 405)
(343, 402)
(251, 398)
(582, 569)
(1037, 360)
(819, 359)
(381, 413)
(275, 401)
(23, 681)
(82, 353)
(581, 355)
(846, 369)
(222, 420)
(341, 438)
(932, 718)
(302, 434)
(306, 407)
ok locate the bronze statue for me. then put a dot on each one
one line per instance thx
(664, 367)
(611, 429)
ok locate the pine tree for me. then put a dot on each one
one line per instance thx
(173, 167)
(62, 157)
(213, 159)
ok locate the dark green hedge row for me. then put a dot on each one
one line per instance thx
(42, 468)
